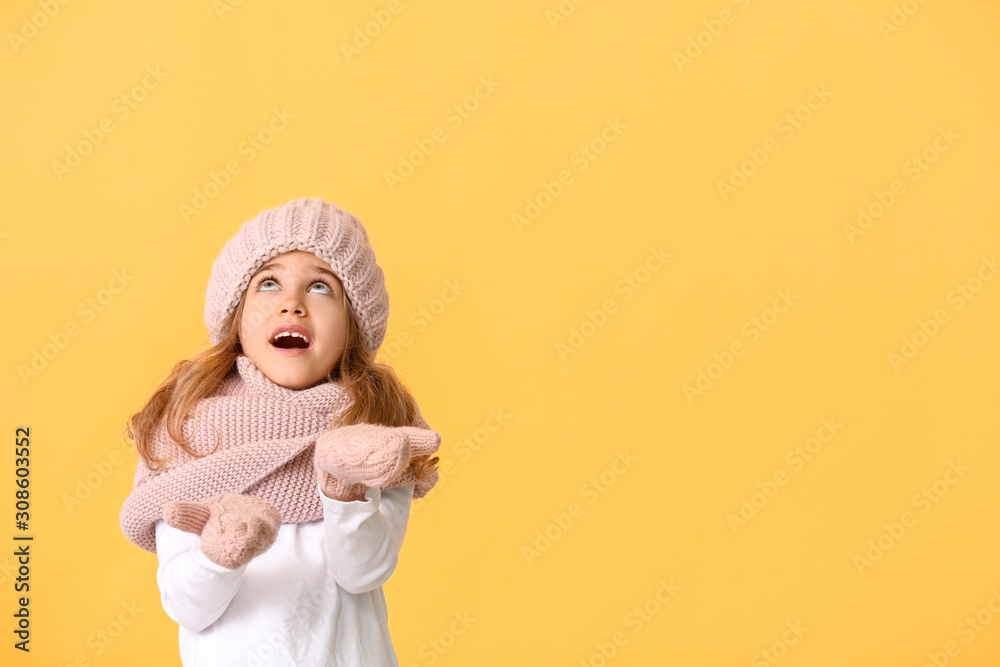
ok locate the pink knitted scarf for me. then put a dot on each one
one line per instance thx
(266, 436)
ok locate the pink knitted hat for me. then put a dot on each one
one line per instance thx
(315, 226)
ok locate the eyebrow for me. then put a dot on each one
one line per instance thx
(315, 268)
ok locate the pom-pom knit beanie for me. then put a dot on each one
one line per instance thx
(312, 225)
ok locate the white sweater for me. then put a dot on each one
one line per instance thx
(314, 599)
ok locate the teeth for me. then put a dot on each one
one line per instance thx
(290, 333)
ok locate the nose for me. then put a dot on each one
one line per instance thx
(293, 303)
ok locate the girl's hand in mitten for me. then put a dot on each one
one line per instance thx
(234, 528)
(421, 487)
(349, 458)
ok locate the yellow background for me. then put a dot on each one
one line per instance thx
(525, 288)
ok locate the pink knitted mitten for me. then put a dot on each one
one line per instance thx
(234, 528)
(337, 488)
(421, 487)
(348, 459)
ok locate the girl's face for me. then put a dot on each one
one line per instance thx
(297, 292)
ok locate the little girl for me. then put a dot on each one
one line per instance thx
(277, 467)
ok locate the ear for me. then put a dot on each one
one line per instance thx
(186, 516)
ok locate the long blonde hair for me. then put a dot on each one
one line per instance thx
(378, 395)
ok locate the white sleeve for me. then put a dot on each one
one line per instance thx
(194, 591)
(363, 537)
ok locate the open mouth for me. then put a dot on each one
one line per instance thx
(290, 340)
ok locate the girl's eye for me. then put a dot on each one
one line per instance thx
(261, 286)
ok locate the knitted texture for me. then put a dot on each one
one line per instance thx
(233, 528)
(311, 225)
(266, 436)
(337, 488)
(369, 453)
(350, 459)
